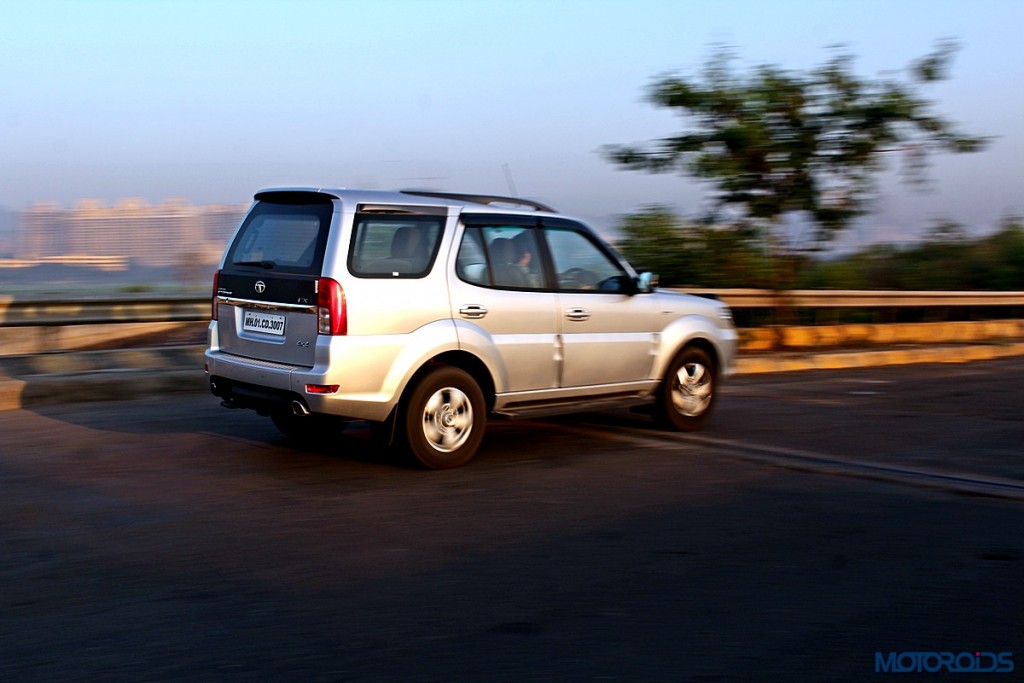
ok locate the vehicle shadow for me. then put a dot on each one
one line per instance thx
(187, 418)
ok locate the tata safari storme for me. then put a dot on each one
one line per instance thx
(427, 313)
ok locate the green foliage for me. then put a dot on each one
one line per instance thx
(692, 255)
(775, 142)
(947, 260)
(702, 256)
(656, 240)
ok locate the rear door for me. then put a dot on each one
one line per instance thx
(499, 289)
(267, 288)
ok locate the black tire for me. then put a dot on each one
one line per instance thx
(686, 397)
(444, 418)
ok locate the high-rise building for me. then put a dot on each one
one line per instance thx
(168, 234)
(8, 225)
(218, 223)
(41, 231)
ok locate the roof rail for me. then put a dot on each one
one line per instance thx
(482, 199)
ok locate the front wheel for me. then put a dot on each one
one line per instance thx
(444, 419)
(687, 393)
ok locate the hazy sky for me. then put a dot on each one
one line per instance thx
(211, 100)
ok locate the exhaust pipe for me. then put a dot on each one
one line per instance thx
(299, 408)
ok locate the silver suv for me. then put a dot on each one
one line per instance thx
(425, 313)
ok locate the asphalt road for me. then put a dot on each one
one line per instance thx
(821, 518)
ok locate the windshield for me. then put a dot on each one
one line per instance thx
(282, 237)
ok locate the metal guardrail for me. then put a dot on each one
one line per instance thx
(99, 311)
(15, 312)
(821, 298)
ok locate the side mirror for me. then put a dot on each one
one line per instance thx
(646, 282)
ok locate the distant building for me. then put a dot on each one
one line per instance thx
(8, 231)
(41, 231)
(218, 223)
(168, 234)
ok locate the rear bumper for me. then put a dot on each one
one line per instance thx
(264, 386)
(261, 399)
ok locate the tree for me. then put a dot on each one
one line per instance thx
(776, 142)
(692, 255)
(655, 239)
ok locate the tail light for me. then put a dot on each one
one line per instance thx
(331, 311)
(322, 388)
(213, 298)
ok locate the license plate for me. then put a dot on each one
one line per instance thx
(267, 323)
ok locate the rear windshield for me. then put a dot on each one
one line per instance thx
(285, 237)
(394, 246)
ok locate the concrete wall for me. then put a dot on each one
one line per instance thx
(866, 336)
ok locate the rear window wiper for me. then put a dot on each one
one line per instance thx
(266, 265)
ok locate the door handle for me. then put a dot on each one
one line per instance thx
(577, 315)
(473, 311)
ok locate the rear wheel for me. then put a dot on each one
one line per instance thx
(444, 419)
(687, 394)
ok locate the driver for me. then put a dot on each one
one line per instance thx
(524, 260)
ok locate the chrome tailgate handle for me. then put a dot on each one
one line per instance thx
(577, 314)
(473, 311)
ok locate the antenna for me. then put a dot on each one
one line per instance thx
(508, 179)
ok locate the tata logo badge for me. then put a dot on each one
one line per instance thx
(261, 287)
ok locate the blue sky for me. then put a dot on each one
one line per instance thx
(213, 100)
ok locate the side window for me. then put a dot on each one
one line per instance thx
(388, 246)
(580, 263)
(513, 257)
(471, 262)
(502, 256)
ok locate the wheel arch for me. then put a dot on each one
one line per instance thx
(457, 359)
(684, 333)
